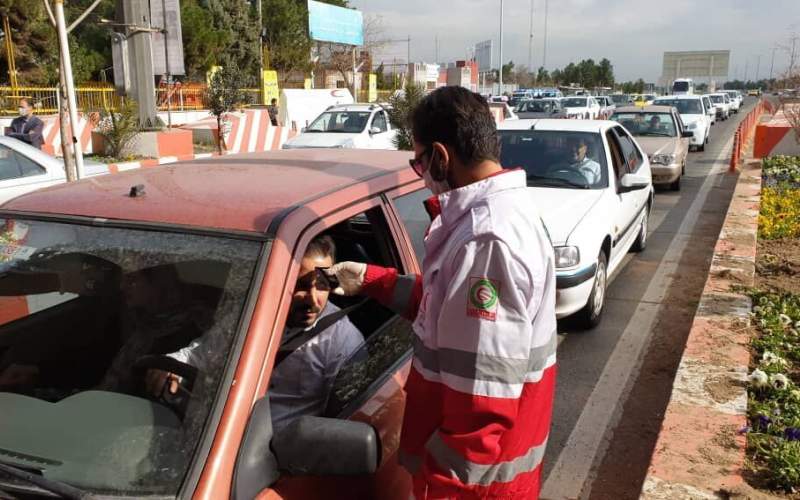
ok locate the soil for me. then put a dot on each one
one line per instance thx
(778, 265)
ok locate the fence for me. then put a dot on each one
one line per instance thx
(746, 129)
(45, 99)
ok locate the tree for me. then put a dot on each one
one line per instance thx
(543, 76)
(202, 43)
(508, 72)
(403, 104)
(605, 73)
(34, 42)
(224, 94)
(237, 19)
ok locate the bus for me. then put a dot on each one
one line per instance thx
(683, 86)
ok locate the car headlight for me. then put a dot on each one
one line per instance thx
(567, 257)
(662, 159)
(691, 126)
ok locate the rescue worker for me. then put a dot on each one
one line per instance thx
(27, 127)
(480, 390)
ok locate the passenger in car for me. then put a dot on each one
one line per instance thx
(301, 382)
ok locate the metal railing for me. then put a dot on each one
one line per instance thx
(746, 129)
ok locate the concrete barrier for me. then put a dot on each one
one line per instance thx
(52, 129)
(776, 137)
(245, 132)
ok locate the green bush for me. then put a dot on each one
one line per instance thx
(781, 169)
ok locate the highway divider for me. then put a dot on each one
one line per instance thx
(746, 129)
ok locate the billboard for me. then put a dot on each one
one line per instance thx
(483, 56)
(702, 64)
(328, 23)
(174, 37)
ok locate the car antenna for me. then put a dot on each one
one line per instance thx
(136, 191)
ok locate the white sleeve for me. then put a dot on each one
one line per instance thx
(191, 354)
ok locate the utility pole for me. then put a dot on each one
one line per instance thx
(772, 64)
(409, 50)
(134, 17)
(544, 50)
(792, 56)
(501, 47)
(168, 76)
(746, 62)
(437, 50)
(758, 66)
(530, 42)
(66, 62)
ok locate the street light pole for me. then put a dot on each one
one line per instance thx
(63, 42)
(544, 50)
(772, 65)
(501, 47)
(758, 66)
(530, 42)
(166, 60)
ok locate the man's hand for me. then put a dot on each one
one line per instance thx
(155, 380)
(350, 276)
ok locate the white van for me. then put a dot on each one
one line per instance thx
(300, 107)
(683, 86)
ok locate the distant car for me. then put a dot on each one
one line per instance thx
(582, 108)
(694, 116)
(520, 95)
(540, 108)
(607, 106)
(498, 98)
(660, 132)
(723, 106)
(502, 111)
(711, 111)
(643, 99)
(736, 99)
(24, 168)
(357, 126)
(754, 92)
(621, 99)
(593, 221)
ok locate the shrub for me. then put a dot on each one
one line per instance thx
(403, 104)
(119, 128)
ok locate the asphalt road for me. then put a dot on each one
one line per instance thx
(614, 381)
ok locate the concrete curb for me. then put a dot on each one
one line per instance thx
(699, 452)
(114, 168)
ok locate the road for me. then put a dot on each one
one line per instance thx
(614, 382)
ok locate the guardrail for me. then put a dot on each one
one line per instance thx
(746, 129)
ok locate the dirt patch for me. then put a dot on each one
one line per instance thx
(778, 265)
(723, 388)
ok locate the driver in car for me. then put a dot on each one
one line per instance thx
(302, 381)
(577, 148)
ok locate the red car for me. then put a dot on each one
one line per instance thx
(100, 278)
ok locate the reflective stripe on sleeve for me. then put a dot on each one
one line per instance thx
(403, 290)
(471, 473)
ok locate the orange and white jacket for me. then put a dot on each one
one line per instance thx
(480, 391)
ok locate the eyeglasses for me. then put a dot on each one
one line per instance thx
(416, 164)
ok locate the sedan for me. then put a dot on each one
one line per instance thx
(594, 190)
(660, 132)
(540, 108)
(581, 107)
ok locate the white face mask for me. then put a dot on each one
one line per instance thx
(23, 111)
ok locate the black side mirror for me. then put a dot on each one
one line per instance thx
(327, 446)
(687, 133)
(256, 467)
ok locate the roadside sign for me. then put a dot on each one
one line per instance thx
(211, 72)
(328, 23)
(372, 95)
(172, 16)
(307, 84)
(269, 80)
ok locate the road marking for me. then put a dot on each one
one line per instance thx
(574, 464)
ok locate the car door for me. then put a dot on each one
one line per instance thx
(380, 136)
(681, 128)
(19, 174)
(631, 203)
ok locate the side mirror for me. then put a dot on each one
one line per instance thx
(687, 133)
(633, 182)
(302, 130)
(327, 446)
(375, 130)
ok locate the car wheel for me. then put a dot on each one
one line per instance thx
(641, 239)
(701, 147)
(592, 312)
(675, 185)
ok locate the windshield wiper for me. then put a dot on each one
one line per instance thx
(63, 490)
(656, 134)
(557, 181)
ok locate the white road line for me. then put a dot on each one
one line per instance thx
(574, 464)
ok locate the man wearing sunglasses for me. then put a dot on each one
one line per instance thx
(480, 390)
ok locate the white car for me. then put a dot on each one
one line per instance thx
(593, 189)
(694, 116)
(359, 126)
(607, 106)
(722, 103)
(24, 168)
(711, 111)
(736, 100)
(581, 107)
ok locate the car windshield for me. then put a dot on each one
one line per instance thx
(680, 86)
(718, 99)
(574, 102)
(620, 99)
(684, 106)
(538, 106)
(555, 159)
(647, 124)
(86, 315)
(345, 122)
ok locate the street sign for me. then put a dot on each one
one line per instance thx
(174, 38)
(372, 94)
(328, 23)
(483, 56)
(700, 65)
(270, 90)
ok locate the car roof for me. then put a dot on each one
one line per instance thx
(682, 96)
(644, 109)
(232, 193)
(557, 125)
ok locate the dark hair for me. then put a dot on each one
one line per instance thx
(273, 101)
(322, 246)
(458, 118)
(26, 101)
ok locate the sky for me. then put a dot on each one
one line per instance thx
(632, 34)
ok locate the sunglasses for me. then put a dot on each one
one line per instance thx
(416, 164)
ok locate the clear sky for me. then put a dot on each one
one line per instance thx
(633, 34)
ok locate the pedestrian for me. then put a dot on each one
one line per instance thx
(272, 109)
(480, 391)
(27, 127)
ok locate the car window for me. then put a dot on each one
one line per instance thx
(85, 313)
(648, 124)
(630, 153)
(346, 122)
(616, 155)
(379, 121)
(29, 167)
(14, 165)
(411, 210)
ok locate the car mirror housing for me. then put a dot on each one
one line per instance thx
(633, 182)
(374, 130)
(327, 446)
(256, 466)
(687, 133)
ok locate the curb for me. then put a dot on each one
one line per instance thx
(114, 168)
(699, 453)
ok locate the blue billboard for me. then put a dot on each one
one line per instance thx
(328, 23)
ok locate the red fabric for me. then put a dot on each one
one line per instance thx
(379, 283)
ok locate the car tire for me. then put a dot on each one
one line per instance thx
(702, 147)
(591, 314)
(674, 186)
(641, 239)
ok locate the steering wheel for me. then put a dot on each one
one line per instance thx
(568, 174)
(187, 372)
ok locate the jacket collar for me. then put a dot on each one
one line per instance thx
(454, 203)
